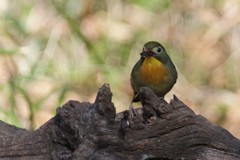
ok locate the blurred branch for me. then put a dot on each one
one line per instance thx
(71, 22)
(8, 51)
(74, 26)
(27, 98)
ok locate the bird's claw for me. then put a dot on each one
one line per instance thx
(132, 113)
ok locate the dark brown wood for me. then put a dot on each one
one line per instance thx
(160, 130)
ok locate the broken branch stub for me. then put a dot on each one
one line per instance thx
(83, 130)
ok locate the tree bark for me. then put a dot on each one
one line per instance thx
(159, 130)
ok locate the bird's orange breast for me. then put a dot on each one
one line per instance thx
(153, 71)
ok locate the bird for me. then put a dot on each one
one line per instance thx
(155, 70)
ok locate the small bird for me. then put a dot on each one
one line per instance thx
(155, 70)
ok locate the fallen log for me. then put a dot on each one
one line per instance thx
(159, 130)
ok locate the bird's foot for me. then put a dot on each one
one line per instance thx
(135, 118)
(132, 112)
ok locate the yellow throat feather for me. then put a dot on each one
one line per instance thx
(153, 71)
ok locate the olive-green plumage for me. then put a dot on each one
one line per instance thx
(155, 70)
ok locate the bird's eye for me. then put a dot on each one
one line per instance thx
(159, 49)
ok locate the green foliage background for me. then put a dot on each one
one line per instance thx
(55, 50)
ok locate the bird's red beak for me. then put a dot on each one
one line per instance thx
(143, 54)
(146, 53)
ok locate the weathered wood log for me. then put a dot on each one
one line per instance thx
(160, 130)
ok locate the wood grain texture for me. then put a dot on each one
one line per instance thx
(160, 130)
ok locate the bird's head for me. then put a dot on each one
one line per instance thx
(154, 49)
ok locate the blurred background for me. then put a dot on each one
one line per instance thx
(53, 51)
